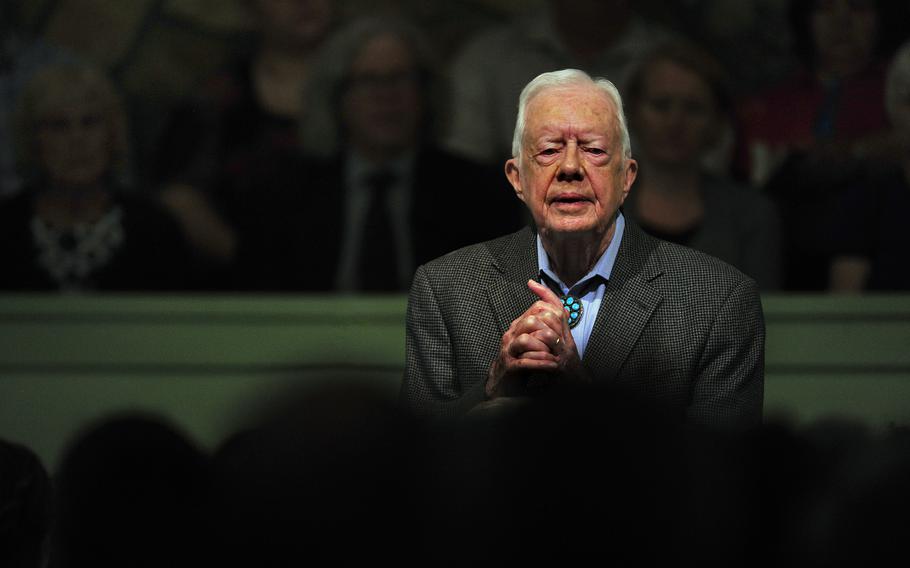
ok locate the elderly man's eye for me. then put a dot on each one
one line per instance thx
(595, 151)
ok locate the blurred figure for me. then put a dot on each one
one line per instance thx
(25, 508)
(132, 491)
(337, 474)
(76, 226)
(249, 109)
(807, 139)
(591, 476)
(372, 182)
(603, 37)
(862, 517)
(872, 241)
(20, 56)
(678, 104)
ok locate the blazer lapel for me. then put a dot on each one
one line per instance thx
(628, 304)
(514, 262)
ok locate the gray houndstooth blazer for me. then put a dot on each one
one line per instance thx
(675, 324)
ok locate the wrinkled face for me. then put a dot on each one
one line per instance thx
(295, 22)
(844, 32)
(571, 174)
(74, 144)
(382, 107)
(675, 119)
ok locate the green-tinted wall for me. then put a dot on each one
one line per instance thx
(207, 363)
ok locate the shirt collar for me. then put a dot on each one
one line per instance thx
(602, 268)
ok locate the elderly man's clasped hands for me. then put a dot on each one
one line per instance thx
(539, 340)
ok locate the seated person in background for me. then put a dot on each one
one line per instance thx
(75, 226)
(604, 38)
(20, 56)
(25, 508)
(804, 141)
(131, 491)
(613, 304)
(873, 241)
(372, 193)
(678, 105)
(250, 108)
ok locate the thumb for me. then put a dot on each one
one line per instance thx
(544, 293)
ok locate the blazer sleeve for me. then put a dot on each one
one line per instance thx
(729, 386)
(430, 384)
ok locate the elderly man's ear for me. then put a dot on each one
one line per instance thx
(514, 176)
(631, 172)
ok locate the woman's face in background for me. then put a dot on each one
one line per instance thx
(675, 119)
(74, 143)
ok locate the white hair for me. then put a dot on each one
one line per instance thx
(897, 84)
(568, 78)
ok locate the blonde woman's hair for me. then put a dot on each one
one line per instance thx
(55, 86)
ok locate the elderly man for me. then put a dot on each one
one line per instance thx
(587, 296)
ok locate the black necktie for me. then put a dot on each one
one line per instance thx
(378, 253)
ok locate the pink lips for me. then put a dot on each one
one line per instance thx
(568, 199)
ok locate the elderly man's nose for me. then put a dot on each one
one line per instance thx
(569, 168)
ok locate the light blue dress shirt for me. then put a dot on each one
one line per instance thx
(591, 295)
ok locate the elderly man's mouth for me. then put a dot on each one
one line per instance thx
(570, 200)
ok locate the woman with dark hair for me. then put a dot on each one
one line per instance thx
(248, 109)
(678, 106)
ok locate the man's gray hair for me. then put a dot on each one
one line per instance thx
(569, 78)
(320, 124)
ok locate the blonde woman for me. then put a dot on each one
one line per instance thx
(76, 227)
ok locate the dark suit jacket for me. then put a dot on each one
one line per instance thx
(289, 215)
(675, 324)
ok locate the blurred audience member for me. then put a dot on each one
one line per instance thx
(248, 109)
(337, 474)
(861, 519)
(603, 38)
(25, 508)
(872, 240)
(20, 56)
(593, 475)
(75, 226)
(807, 139)
(679, 103)
(371, 197)
(132, 491)
(831, 110)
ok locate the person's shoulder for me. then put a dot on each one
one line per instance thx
(688, 273)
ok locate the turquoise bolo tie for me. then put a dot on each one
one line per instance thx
(570, 302)
(573, 307)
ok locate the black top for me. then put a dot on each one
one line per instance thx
(143, 250)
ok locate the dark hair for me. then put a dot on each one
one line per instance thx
(691, 57)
